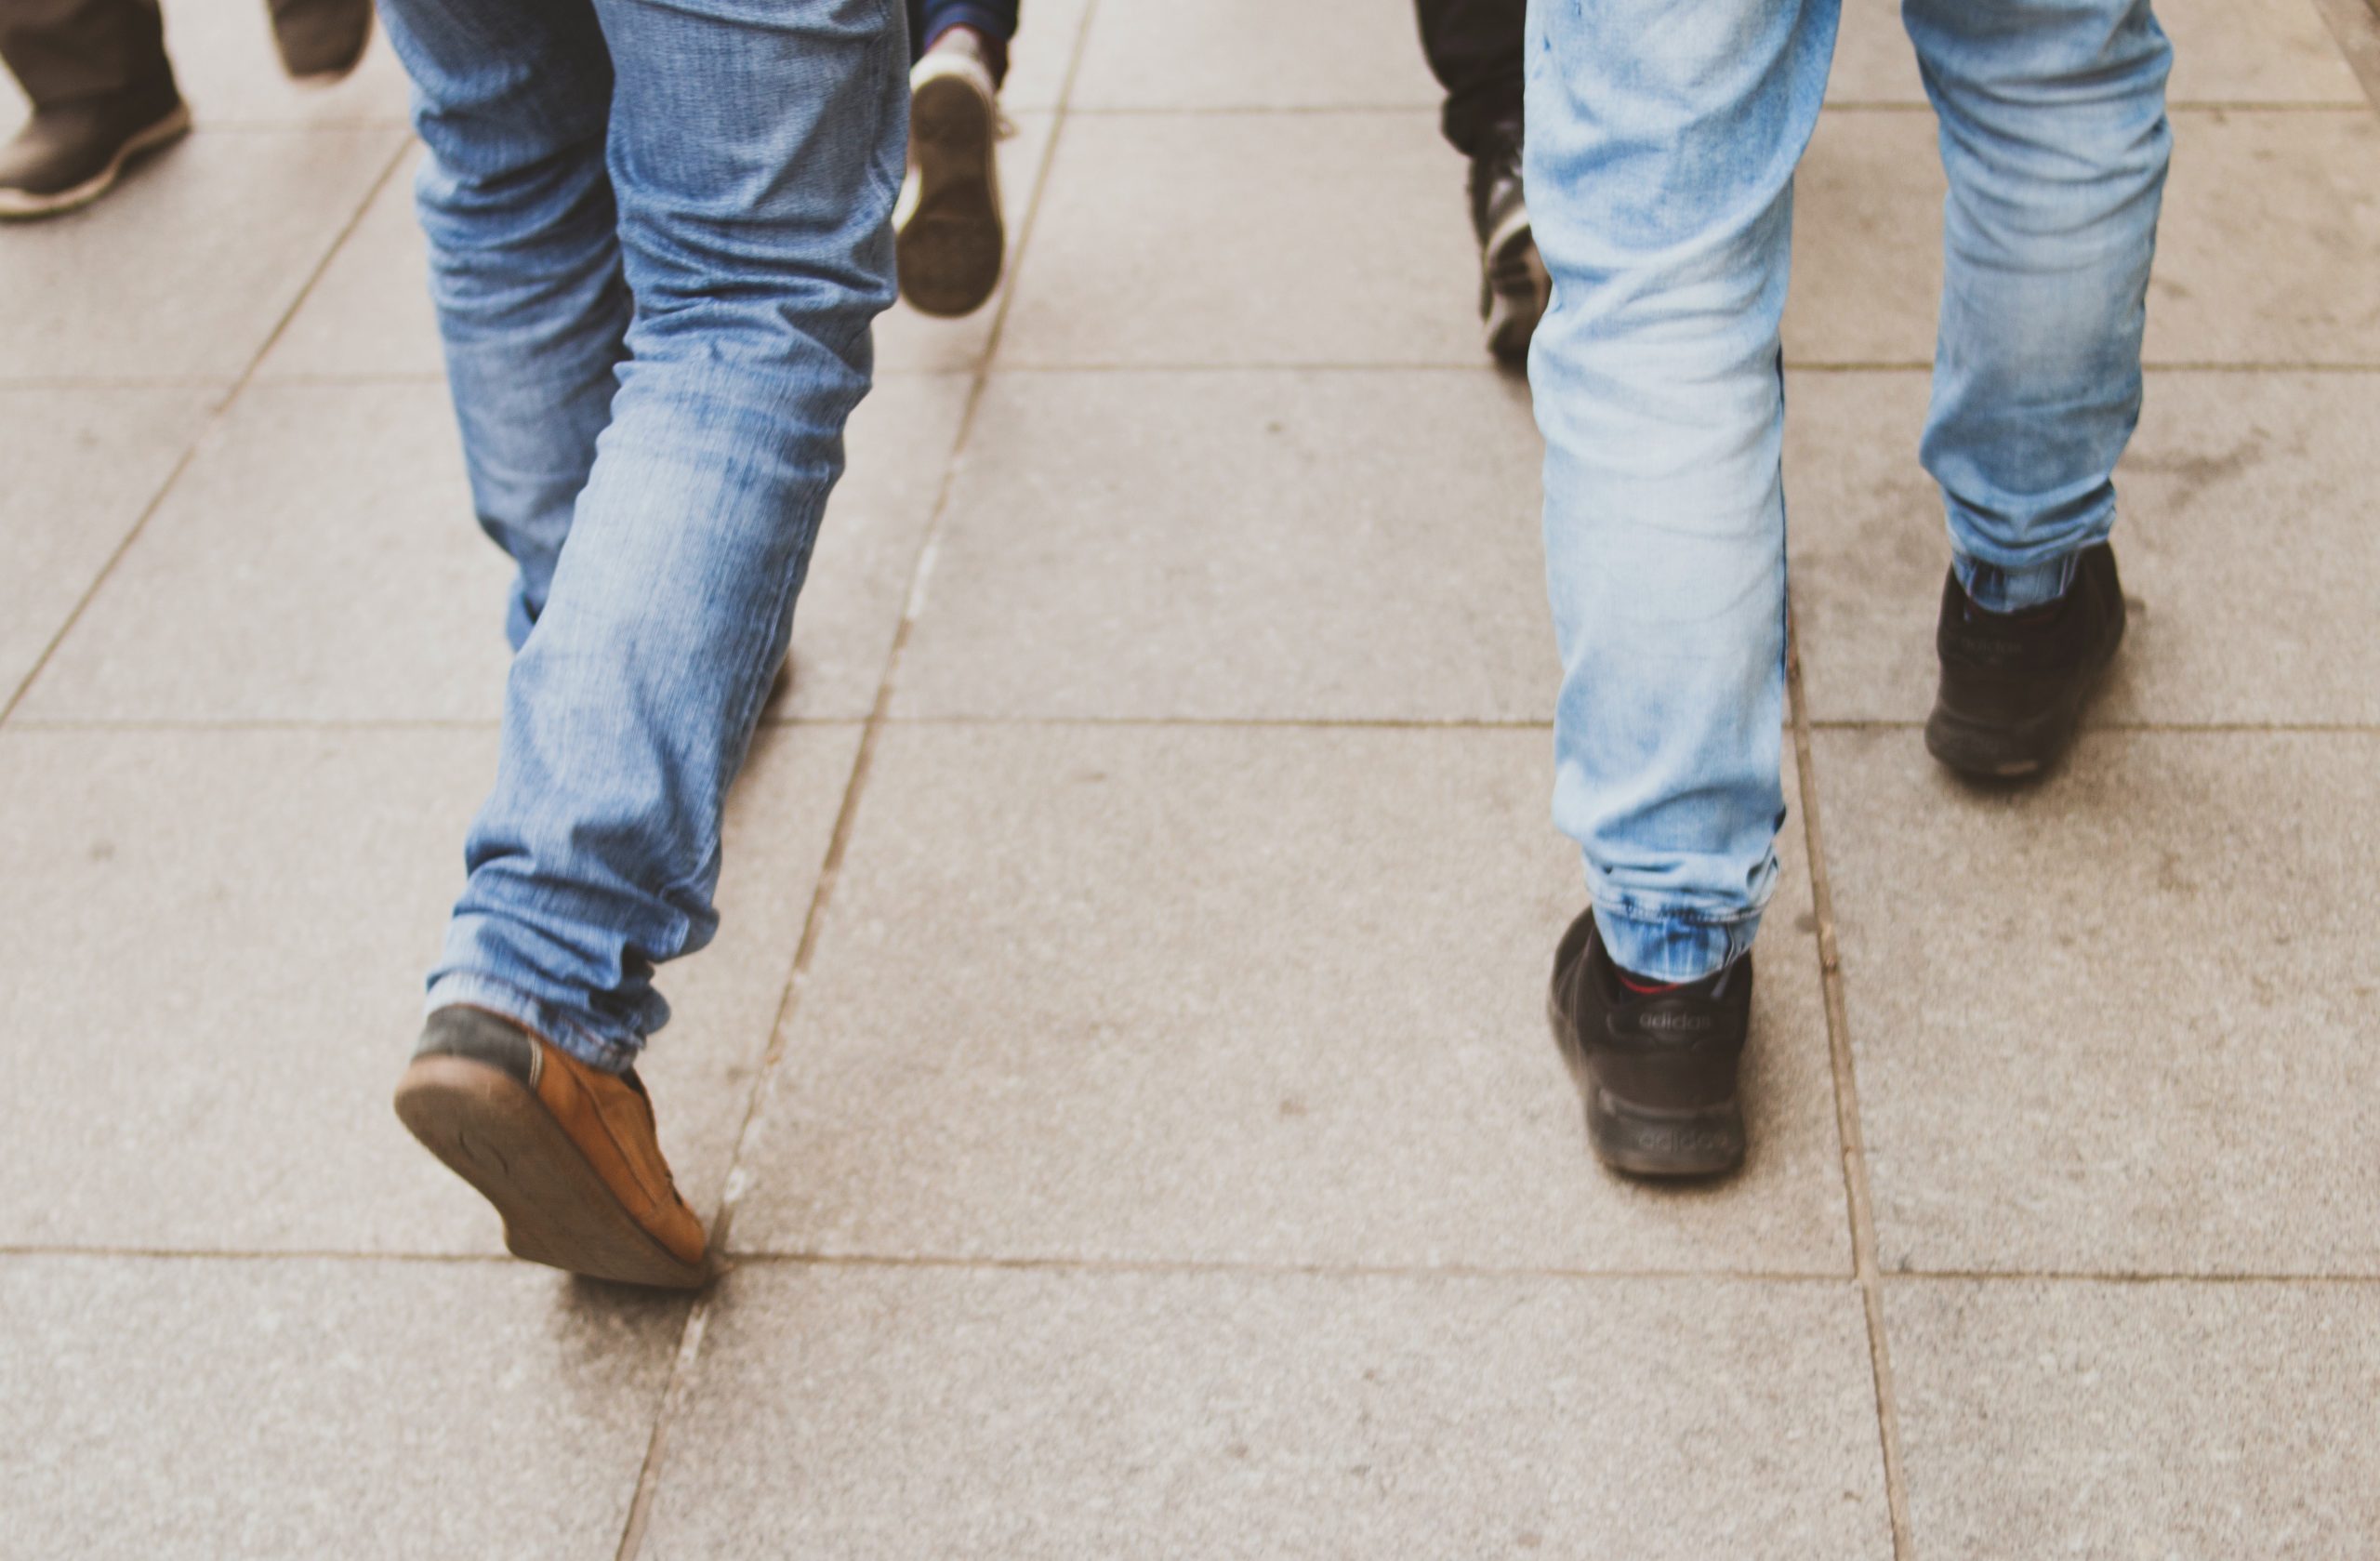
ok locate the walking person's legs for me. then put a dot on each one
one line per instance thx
(103, 93)
(1660, 155)
(1475, 48)
(2055, 139)
(652, 353)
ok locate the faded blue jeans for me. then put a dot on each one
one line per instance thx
(1661, 141)
(658, 234)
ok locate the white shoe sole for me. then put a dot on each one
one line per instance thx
(949, 239)
(1516, 287)
(16, 206)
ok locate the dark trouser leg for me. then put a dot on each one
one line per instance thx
(59, 50)
(1475, 50)
(996, 19)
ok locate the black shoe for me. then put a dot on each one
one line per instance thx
(69, 154)
(321, 40)
(2013, 684)
(1658, 1070)
(1514, 287)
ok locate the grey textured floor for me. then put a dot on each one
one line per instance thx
(1121, 1066)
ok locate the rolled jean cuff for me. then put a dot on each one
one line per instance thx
(540, 1019)
(1996, 590)
(1674, 946)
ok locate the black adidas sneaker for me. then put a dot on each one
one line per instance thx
(2013, 684)
(1657, 1068)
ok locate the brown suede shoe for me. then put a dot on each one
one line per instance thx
(566, 1152)
(321, 40)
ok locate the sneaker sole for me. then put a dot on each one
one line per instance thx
(492, 1130)
(1642, 1141)
(950, 250)
(1518, 291)
(17, 207)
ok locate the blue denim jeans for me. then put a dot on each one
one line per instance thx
(1661, 144)
(658, 234)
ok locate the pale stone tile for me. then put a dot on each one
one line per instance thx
(2169, 1420)
(318, 561)
(1243, 239)
(293, 1410)
(1247, 545)
(2121, 1021)
(1260, 995)
(2245, 537)
(1868, 241)
(185, 271)
(82, 467)
(2224, 51)
(936, 1413)
(1254, 54)
(217, 944)
(370, 312)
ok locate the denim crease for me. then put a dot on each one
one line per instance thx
(1660, 149)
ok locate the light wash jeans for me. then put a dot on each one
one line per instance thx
(1662, 137)
(658, 233)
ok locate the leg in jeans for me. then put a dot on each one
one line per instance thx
(2055, 139)
(1475, 49)
(1660, 154)
(61, 50)
(750, 156)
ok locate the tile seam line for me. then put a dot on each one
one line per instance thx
(678, 1388)
(1858, 1199)
(214, 420)
(1225, 1267)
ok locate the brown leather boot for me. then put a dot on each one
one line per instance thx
(321, 40)
(69, 154)
(566, 1152)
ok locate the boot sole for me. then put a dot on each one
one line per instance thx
(17, 207)
(492, 1130)
(950, 250)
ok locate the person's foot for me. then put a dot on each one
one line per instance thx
(948, 238)
(69, 154)
(1655, 1063)
(1514, 287)
(566, 1152)
(2013, 684)
(321, 40)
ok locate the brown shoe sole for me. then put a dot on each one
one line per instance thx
(491, 1130)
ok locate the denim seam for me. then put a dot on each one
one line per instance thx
(1660, 916)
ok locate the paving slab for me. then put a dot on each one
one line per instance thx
(1242, 545)
(1247, 54)
(178, 1408)
(2120, 1023)
(2244, 536)
(2224, 51)
(230, 74)
(1867, 263)
(2181, 1419)
(1266, 994)
(369, 314)
(929, 1413)
(1042, 54)
(111, 308)
(1319, 239)
(218, 940)
(82, 467)
(394, 610)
